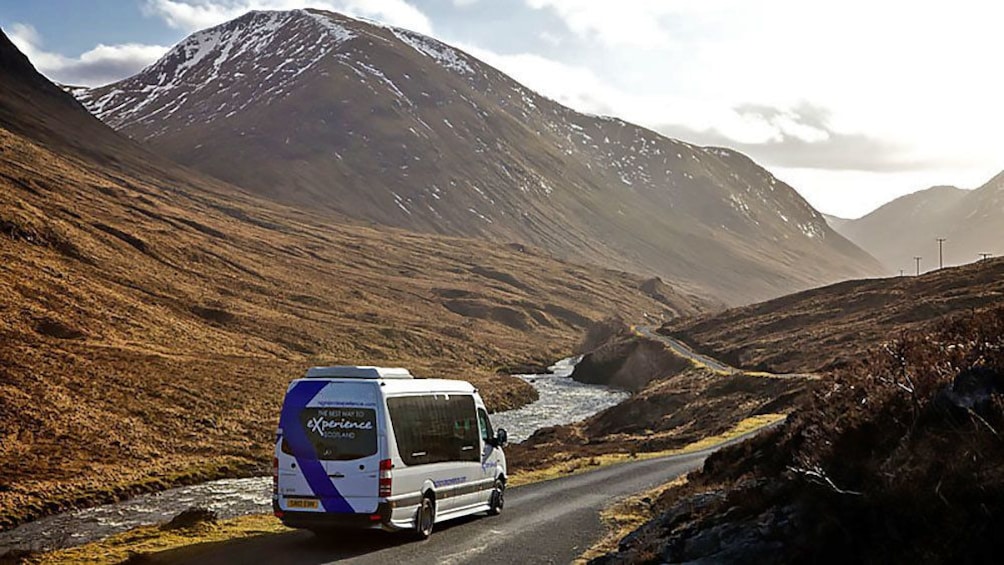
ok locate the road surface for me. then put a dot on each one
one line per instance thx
(549, 522)
(685, 351)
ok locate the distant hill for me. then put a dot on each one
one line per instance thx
(326, 113)
(835, 222)
(152, 317)
(829, 327)
(972, 221)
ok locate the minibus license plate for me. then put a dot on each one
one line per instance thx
(301, 503)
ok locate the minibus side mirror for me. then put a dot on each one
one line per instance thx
(501, 437)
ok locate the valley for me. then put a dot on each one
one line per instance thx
(283, 189)
(561, 400)
(152, 317)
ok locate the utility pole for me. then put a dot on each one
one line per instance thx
(941, 254)
(917, 259)
(985, 256)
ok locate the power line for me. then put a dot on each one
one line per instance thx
(917, 259)
(985, 256)
(941, 254)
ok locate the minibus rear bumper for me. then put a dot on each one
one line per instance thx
(331, 520)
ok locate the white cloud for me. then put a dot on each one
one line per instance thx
(908, 87)
(574, 86)
(634, 23)
(192, 15)
(852, 194)
(552, 39)
(100, 65)
(24, 35)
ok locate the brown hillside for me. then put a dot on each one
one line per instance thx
(328, 113)
(150, 319)
(899, 460)
(828, 327)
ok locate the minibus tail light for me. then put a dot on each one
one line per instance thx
(275, 475)
(384, 488)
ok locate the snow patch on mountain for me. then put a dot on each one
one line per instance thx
(439, 52)
(269, 47)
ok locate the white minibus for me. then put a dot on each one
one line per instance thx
(373, 447)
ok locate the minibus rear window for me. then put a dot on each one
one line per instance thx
(340, 434)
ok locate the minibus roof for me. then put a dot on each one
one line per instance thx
(358, 372)
(398, 385)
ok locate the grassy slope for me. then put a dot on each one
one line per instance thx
(828, 327)
(131, 335)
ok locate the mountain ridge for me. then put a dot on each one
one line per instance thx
(323, 112)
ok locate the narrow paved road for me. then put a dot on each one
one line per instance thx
(549, 522)
(685, 351)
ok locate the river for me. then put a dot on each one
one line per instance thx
(562, 401)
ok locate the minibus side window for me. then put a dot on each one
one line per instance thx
(435, 428)
(486, 426)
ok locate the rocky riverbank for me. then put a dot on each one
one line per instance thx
(675, 403)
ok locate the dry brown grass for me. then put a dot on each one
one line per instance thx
(832, 327)
(153, 539)
(624, 516)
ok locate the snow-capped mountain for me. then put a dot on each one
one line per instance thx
(324, 112)
(971, 221)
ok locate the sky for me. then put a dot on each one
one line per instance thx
(853, 103)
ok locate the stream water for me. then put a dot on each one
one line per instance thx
(562, 401)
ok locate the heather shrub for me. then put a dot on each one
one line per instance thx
(902, 454)
(897, 458)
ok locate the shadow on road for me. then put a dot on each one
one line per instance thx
(298, 546)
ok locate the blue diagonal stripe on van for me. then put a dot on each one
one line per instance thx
(313, 470)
